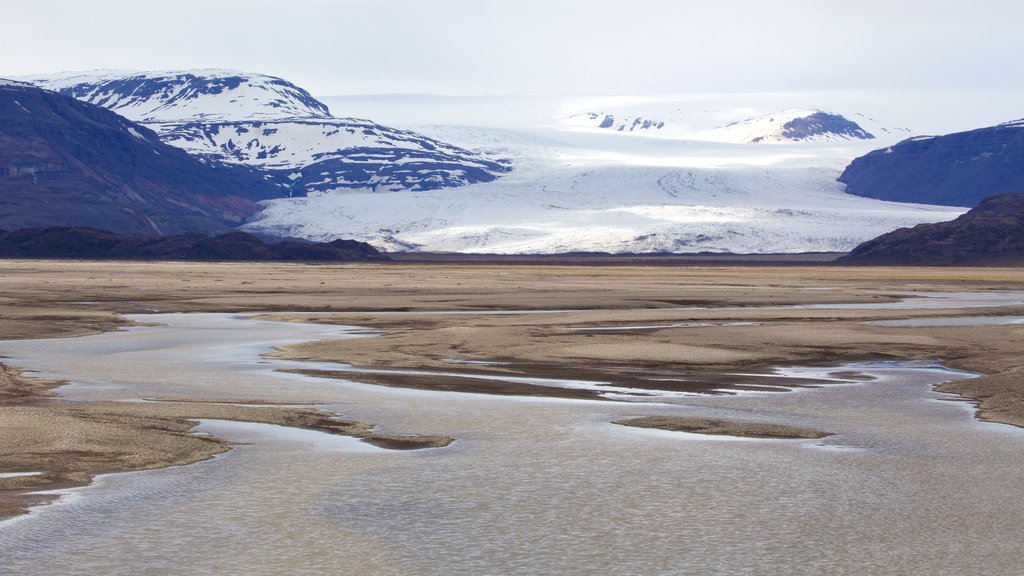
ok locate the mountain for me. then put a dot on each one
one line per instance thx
(789, 126)
(958, 169)
(174, 97)
(277, 128)
(991, 233)
(783, 127)
(92, 244)
(66, 162)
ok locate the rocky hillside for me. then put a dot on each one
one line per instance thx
(991, 233)
(953, 170)
(68, 163)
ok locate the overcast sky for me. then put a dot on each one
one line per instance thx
(577, 47)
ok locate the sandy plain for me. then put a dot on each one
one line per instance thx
(684, 328)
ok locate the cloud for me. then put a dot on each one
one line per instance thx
(529, 46)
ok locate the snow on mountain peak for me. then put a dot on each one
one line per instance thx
(728, 125)
(180, 95)
(7, 82)
(793, 125)
(277, 128)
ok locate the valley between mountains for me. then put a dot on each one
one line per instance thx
(755, 173)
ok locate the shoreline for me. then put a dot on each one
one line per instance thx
(98, 438)
(88, 298)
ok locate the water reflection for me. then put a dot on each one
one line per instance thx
(910, 483)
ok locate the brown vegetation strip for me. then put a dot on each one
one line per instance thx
(722, 427)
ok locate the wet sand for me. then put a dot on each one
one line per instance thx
(697, 329)
(47, 444)
(722, 427)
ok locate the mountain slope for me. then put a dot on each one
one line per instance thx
(991, 233)
(69, 163)
(277, 128)
(957, 169)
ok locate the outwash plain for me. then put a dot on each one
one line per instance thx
(687, 328)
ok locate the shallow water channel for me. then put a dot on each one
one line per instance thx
(910, 483)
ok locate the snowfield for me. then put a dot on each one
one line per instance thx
(579, 187)
(608, 209)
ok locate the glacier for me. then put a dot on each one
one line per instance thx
(577, 187)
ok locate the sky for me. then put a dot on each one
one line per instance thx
(535, 47)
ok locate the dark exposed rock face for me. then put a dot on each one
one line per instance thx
(92, 244)
(820, 123)
(69, 163)
(991, 234)
(953, 170)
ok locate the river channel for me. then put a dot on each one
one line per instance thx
(910, 483)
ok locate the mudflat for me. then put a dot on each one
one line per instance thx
(722, 427)
(699, 329)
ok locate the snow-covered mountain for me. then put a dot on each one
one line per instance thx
(789, 126)
(678, 177)
(272, 125)
(321, 155)
(188, 95)
(64, 162)
(783, 127)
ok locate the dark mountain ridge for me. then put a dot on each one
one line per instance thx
(957, 169)
(69, 163)
(990, 234)
(93, 244)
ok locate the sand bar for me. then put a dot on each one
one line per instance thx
(701, 328)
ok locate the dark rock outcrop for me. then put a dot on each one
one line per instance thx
(92, 244)
(822, 124)
(68, 163)
(953, 170)
(991, 234)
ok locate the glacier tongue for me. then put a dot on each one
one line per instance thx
(580, 188)
(545, 207)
